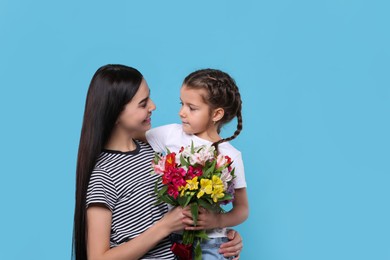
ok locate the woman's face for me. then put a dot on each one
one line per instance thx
(136, 116)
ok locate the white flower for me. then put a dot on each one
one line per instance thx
(226, 177)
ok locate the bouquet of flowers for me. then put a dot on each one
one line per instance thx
(194, 177)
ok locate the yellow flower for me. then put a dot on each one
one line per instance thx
(217, 193)
(218, 188)
(192, 184)
(205, 187)
(217, 182)
(182, 189)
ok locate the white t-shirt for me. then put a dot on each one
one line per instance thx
(173, 137)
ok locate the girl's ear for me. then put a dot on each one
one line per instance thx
(218, 114)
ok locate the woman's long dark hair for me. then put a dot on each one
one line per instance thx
(111, 88)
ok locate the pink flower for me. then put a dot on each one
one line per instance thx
(223, 160)
(193, 172)
(159, 168)
(173, 191)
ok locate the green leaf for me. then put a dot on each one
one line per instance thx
(184, 200)
(168, 199)
(187, 201)
(192, 147)
(195, 212)
(202, 234)
(204, 204)
(162, 191)
(156, 158)
(226, 197)
(232, 173)
(209, 171)
(183, 162)
(198, 251)
(156, 185)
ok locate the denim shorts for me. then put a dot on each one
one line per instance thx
(209, 247)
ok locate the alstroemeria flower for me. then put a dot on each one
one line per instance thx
(172, 191)
(159, 168)
(192, 184)
(194, 171)
(217, 182)
(206, 187)
(217, 193)
(226, 177)
(202, 156)
(170, 161)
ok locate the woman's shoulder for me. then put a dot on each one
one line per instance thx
(143, 145)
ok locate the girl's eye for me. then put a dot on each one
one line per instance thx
(192, 109)
(181, 103)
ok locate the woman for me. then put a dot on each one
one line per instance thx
(116, 216)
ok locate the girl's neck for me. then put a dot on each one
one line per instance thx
(120, 141)
(209, 134)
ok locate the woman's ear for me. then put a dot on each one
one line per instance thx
(218, 114)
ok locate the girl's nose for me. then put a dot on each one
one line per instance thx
(181, 112)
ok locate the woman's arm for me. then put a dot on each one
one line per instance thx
(99, 227)
(233, 247)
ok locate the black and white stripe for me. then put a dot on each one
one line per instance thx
(123, 183)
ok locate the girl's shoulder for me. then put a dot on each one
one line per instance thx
(166, 128)
(227, 148)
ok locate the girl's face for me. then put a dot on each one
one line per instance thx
(195, 114)
(136, 116)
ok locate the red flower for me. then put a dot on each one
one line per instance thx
(193, 172)
(170, 161)
(173, 191)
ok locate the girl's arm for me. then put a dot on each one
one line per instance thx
(99, 227)
(210, 220)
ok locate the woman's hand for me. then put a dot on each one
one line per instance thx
(233, 247)
(206, 219)
(173, 220)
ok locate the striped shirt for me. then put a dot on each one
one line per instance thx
(124, 184)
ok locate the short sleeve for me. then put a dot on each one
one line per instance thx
(101, 189)
(157, 137)
(239, 171)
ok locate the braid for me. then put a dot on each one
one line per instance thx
(236, 133)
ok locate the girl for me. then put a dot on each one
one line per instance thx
(210, 99)
(116, 217)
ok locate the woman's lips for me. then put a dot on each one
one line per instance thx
(148, 120)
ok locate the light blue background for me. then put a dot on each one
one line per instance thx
(314, 76)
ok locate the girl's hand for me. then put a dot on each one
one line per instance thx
(173, 220)
(233, 247)
(206, 219)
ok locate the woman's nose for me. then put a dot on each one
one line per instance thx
(152, 106)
